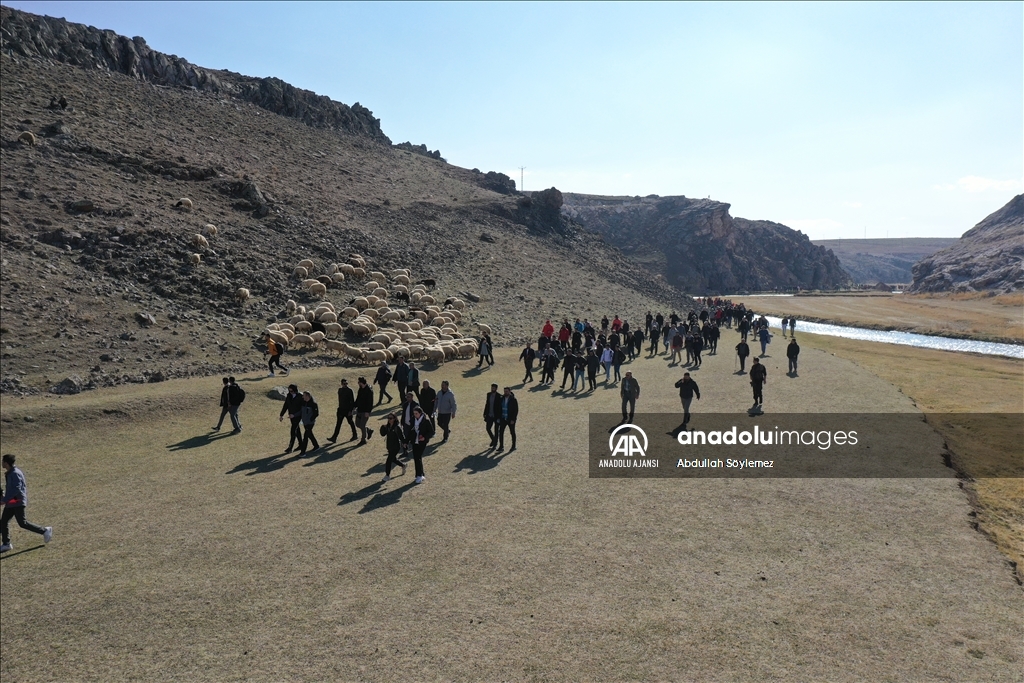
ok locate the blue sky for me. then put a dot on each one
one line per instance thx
(901, 120)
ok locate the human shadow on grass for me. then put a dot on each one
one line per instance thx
(261, 465)
(325, 454)
(475, 371)
(480, 462)
(383, 500)
(198, 441)
(9, 555)
(375, 469)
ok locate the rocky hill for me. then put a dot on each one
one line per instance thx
(870, 261)
(700, 248)
(96, 278)
(989, 256)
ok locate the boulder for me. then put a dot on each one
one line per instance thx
(278, 393)
(145, 318)
(70, 385)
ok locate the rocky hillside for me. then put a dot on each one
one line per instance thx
(96, 277)
(869, 261)
(989, 256)
(700, 248)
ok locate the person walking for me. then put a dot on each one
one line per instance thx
(413, 380)
(364, 406)
(422, 431)
(569, 369)
(310, 412)
(405, 416)
(593, 363)
(618, 358)
(792, 325)
(346, 407)
(792, 351)
(428, 401)
(630, 392)
(394, 440)
(742, 351)
(758, 378)
(293, 409)
(224, 403)
(492, 411)
(698, 346)
(581, 370)
(607, 360)
(549, 364)
(765, 337)
(527, 356)
(446, 408)
(687, 390)
(236, 395)
(744, 327)
(274, 350)
(15, 499)
(785, 322)
(382, 378)
(509, 415)
(401, 376)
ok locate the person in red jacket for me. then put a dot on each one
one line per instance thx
(548, 330)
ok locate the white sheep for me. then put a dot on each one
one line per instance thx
(338, 277)
(371, 285)
(332, 269)
(434, 354)
(359, 273)
(301, 272)
(28, 138)
(210, 230)
(185, 203)
(349, 312)
(486, 329)
(289, 327)
(401, 280)
(194, 259)
(404, 272)
(380, 292)
(317, 337)
(371, 300)
(377, 275)
(290, 305)
(200, 241)
(241, 295)
(336, 346)
(279, 337)
(347, 269)
(319, 289)
(307, 264)
(303, 326)
(376, 356)
(382, 305)
(329, 317)
(302, 340)
(333, 329)
(296, 319)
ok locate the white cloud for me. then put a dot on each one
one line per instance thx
(974, 184)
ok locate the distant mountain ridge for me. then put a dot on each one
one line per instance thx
(28, 35)
(697, 246)
(989, 256)
(889, 260)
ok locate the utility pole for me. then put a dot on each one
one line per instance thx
(521, 183)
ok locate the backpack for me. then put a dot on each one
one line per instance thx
(240, 394)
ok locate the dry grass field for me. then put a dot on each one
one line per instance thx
(999, 318)
(184, 555)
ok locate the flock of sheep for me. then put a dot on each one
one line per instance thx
(422, 329)
(416, 326)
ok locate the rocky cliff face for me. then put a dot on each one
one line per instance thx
(700, 248)
(989, 256)
(32, 36)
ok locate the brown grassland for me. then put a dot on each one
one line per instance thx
(182, 554)
(999, 318)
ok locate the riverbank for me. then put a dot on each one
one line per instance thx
(945, 385)
(993, 319)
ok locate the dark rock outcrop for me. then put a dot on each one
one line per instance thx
(697, 246)
(29, 35)
(989, 256)
(422, 150)
(541, 212)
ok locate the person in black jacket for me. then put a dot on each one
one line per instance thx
(223, 404)
(550, 365)
(413, 380)
(527, 357)
(758, 378)
(428, 401)
(792, 351)
(236, 395)
(346, 406)
(742, 351)
(293, 408)
(310, 412)
(382, 378)
(508, 413)
(422, 432)
(364, 406)
(406, 414)
(593, 363)
(492, 411)
(401, 377)
(568, 368)
(394, 439)
(687, 390)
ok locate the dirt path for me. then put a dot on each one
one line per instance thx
(217, 559)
